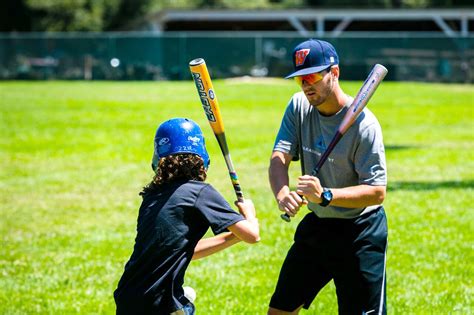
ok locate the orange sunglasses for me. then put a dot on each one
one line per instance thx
(311, 78)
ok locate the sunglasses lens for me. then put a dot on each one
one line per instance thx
(311, 78)
(298, 80)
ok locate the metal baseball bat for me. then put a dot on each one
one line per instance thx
(358, 104)
(210, 105)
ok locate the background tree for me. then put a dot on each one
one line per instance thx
(14, 16)
(110, 15)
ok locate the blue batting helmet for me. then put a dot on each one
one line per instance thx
(179, 135)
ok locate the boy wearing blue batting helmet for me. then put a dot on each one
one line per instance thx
(178, 208)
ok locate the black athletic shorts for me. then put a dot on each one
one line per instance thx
(349, 251)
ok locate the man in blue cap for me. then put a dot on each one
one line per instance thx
(177, 210)
(344, 237)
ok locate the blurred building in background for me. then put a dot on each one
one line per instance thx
(428, 45)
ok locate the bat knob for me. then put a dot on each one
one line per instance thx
(285, 217)
(196, 62)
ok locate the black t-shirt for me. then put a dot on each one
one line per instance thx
(170, 224)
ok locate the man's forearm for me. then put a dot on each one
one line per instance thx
(278, 176)
(358, 196)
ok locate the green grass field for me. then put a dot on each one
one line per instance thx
(75, 155)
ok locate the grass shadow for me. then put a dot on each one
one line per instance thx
(416, 186)
(396, 147)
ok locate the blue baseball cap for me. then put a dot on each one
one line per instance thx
(179, 135)
(313, 56)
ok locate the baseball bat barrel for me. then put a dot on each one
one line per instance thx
(208, 98)
(361, 100)
(363, 96)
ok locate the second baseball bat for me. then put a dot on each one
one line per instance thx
(358, 104)
(211, 108)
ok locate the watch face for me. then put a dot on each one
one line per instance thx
(327, 195)
(326, 198)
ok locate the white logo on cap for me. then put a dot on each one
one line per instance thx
(331, 58)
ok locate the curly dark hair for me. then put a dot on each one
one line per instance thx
(181, 166)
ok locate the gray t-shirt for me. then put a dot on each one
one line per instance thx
(358, 158)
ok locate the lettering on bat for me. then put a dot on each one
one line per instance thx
(203, 96)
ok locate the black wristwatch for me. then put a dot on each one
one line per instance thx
(326, 197)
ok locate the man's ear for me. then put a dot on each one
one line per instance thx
(335, 71)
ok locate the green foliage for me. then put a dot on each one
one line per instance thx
(75, 155)
(248, 5)
(109, 15)
(69, 15)
(85, 15)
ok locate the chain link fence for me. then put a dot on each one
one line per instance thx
(165, 56)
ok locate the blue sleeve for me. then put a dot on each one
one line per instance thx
(287, 138)
(216, 210)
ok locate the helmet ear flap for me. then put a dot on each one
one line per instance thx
(155, 160)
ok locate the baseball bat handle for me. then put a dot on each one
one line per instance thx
(221, 140)
(318, 166)
(237, 188)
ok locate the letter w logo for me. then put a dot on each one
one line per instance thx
(300, 56)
